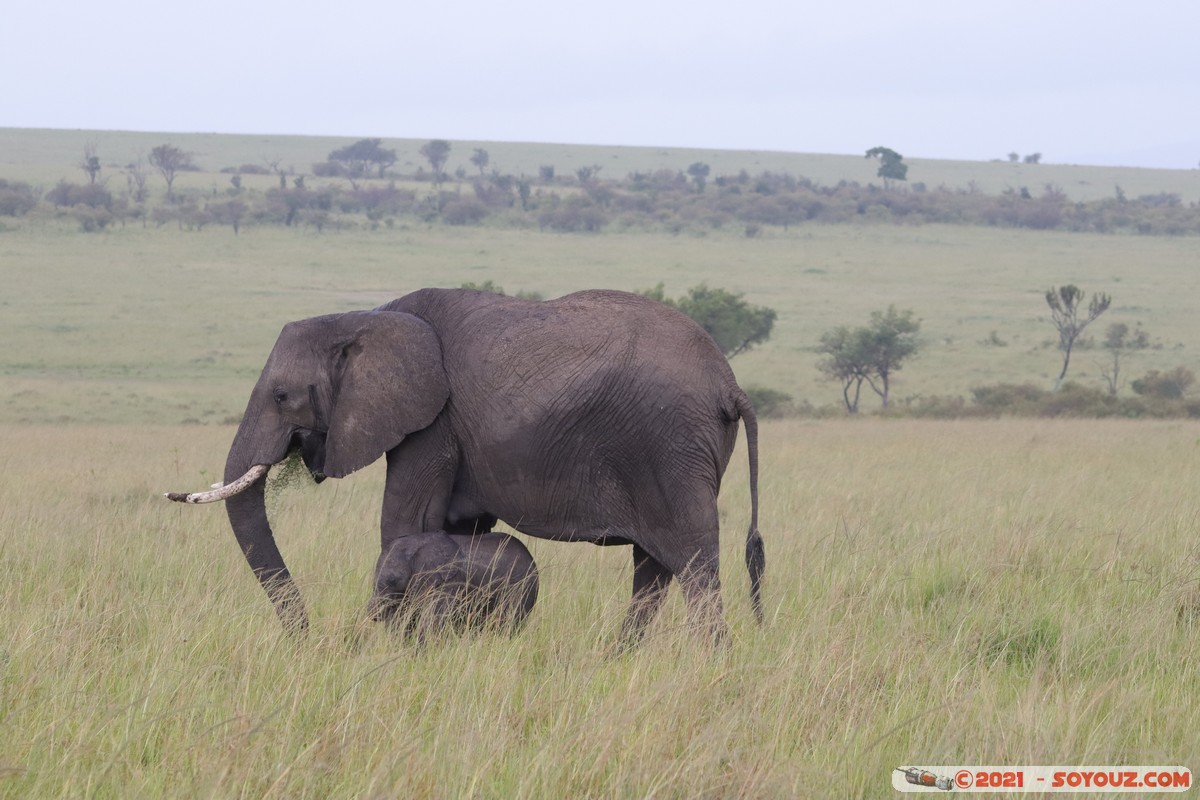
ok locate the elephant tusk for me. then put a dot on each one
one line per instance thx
(222, 492)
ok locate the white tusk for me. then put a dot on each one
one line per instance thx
(222, 492)
(217, 485)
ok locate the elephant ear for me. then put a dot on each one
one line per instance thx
(388, 382)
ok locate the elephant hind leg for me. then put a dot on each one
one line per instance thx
(650, 581)
(701, 583)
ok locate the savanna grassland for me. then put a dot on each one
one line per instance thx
(969, 592)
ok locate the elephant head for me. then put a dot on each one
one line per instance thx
(342, 390)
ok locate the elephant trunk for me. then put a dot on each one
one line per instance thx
(247, 512)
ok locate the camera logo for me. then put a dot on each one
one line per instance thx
(923, 777)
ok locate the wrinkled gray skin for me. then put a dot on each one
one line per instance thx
(433, 583)
(600, 417)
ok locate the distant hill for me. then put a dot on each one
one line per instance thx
(1182, 155)
(43, 157)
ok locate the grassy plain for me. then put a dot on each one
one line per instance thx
(168, 326)
(1002, 592)
(978, 593)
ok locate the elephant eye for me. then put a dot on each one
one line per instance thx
(280, 396)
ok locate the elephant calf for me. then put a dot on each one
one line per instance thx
(437, 581)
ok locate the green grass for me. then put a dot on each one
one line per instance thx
(1005, 592)
(985, 592)
(167, 326)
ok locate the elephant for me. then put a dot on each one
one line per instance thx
(601, 416)
(460, 580)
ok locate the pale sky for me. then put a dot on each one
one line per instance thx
(1079, 81)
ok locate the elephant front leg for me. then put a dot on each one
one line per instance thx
(650, 582)
(419, 483)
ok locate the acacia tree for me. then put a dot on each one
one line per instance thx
(481, 159)
(1065, 309)
(891, 165)
(168, 160)
(870, 354)
(1119, 341)
(735, 325)
(364, 155)
(436, 152)
(846, 361)
(699, 174)
(892, 339)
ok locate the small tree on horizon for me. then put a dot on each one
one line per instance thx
(481, 159)
(891, 165)
(91, 163)
(363, 156)
(436, 152)
(168, 160)
(1065, 308)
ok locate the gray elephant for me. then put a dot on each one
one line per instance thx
(486, 580)
(601, 417)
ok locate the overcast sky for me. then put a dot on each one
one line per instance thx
(1079, 81)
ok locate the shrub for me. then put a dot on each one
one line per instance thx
(577, 214)
(92, 220)
(1170, 385)
(1010, 397)
(770, 403)
(1074, 400)
(328, 169)
(69, 195)
(379, 201)
(937, 406)
(466, 211)
(16, 199)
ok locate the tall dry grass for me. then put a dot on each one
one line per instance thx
(983, 592)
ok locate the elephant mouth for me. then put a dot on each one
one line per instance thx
(310, 447)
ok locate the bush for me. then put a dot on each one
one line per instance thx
(487, 286)
(1074, 400)
(92, 220)
(1002, 397)
(16, 199)
(577, 214)
(770, 403)
(937, 406)
(328, 169)
(1170, 385)
(378, 201)
(69, 195)
(467, 211)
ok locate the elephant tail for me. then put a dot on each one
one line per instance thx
(756, 557)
